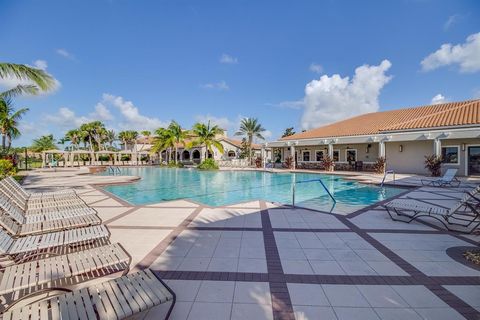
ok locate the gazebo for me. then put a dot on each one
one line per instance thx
(108, 153)
(50, 153)
(78, 153)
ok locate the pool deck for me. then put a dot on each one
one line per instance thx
(259, 260)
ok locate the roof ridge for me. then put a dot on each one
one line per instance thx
(454, 105)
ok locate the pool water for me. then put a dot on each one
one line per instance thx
(220, 188)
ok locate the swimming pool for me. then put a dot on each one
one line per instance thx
(220, 188)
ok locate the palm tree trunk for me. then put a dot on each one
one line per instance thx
(90, 142)
(3, 142)
(250, 138)
(176, 156)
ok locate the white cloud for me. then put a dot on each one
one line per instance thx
(40, 64)
(222, 122)
(66, 118)
(439, 98)
(295, 104)
(11, 81)
(221, 86)
(466, 55)
(64, 53)
(334, 98)
(315, 67)
(101, 113)
(228, 59)
(453, 19)
(133, 119)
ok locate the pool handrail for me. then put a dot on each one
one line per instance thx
(311, 180)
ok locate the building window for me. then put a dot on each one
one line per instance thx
(306, 156)
(450, 155)
(351, 155)
(336, 155)
(319, 155)
(231, 154)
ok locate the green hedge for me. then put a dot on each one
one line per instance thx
(208, 164)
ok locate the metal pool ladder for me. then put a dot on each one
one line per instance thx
(385, 175)
(113, 170)
(306, 181)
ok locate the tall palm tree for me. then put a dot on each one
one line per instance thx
(39, 77)
(123, 135)
(179, 135)
(74, 136)
(164, 140)
(206, 134)
(44, 143)
(110, 138)
(9, 123)
(93, 132)
(146, 133)
(250, 128)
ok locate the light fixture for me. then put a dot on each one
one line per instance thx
(400, 148)
(463, 146)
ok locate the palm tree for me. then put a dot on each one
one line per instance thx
(39, 77)
(93, 132)
(74, 136)
(164, 140)
(250, 128)
(145, 133)
(110, 138)
(178, 135)
(44, 143)
(9, 123)
(128, 136)
(206, 134)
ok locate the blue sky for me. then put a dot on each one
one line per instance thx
(140, 64)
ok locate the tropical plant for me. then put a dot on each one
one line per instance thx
(145, 133)
(128, 137)
(43, 143)
(110, 138)
(258, 162)
(328, 163)
(380, 165)
(92, 132)
(289, 162)
(434, 164)
(164, 141)
(74, 136)
(9, 119)
(206, 135)
(6, 168)
(39, 77)
(208, 164)
(250, 128)
(178, 134)
(288, 132)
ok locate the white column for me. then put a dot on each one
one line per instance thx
(262, 154)
(381, 149)
(437, 147)
(330, 150)
(292, 152)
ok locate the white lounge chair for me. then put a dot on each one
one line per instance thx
(60, 272)
(115, 299)
(462, 214)
(53, 242)
(64, 193)
(449, 179)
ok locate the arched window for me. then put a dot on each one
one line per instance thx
(196, 154)
(186, 155)
(231, 154)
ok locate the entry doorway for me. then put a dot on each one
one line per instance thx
(473, 160)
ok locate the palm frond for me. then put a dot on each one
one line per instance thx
(18, 91)
(20, 71)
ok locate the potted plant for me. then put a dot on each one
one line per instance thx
(380, 165)
(434, 164)
(289, 162)
(258, 162)
(328, 163)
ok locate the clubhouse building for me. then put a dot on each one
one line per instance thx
(403, 137)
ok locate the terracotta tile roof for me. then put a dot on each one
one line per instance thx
(238, 143)
(462, 113)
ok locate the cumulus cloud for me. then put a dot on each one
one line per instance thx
(222, 122)
(315, 67)
(439, 98)
(64, 53)
(295, 104)
(101, 113)
(465, 55)
(10, 81)
(228, 59)
(66, 118)
(333, 98)
(221, 86)
(132, 118)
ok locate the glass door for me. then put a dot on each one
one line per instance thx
(473, 161)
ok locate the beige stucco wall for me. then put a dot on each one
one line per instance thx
(411, 159)
(362, 154)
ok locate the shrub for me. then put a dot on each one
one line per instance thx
(380, 165)
(289, 162)
(328, 163)
(6, 168)
(208, 164)
(125, 157)
(258, 162)
(433, 164)
(172, 164)
(103, 158)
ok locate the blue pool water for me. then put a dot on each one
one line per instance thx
(218, 188)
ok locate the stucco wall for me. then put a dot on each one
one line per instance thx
(411, 159)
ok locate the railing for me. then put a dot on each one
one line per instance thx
(307, 181)
(113, 170)
(385, 176)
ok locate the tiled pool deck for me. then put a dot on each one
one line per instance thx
(257, 260)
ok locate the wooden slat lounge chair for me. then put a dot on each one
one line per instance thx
(12, 183)
(16, 229)
(449, 179)
(34, 278)
(462, 214)
(54, 242)
(114, 299)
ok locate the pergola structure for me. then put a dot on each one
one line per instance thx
(72, 158)
(47, 157)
